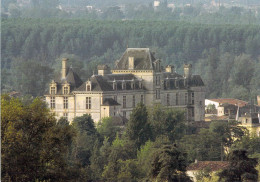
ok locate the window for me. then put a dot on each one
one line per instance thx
(133, 100)
(88, 102)
(124, 114)
(65, 115)
(65, 102)
(157, 80)
(186, 98)
(52, 90)
(192, 112)
(177, 98)
(192, 98)
(124, 101)
(157, 94)
(115, 98)
(142, 98)
(168, 99)
(52, 102)
(88, 87)
(123, 86)
(65, 90)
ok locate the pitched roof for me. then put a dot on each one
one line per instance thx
(231, 101)
(110, 102)
(119, 120)
(193, 81)
(143, 59)
(211, 165)
(73, 78)
(105, 83)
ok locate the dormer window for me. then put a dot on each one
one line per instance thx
(88, 88)
(133, 84)
(53, 90)
(88, 85)
(123, 85)
(140, 84)
(114, 85)
(65, 90)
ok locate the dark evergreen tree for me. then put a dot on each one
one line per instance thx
(169, 164)
(241, 168)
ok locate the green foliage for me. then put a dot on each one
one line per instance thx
(169, 164)
(84, 142)
(217, 52)
(34, 147)
(241, 167)
(30, 77)
(138, 128)
(168, 122)
(211, 144)
(204, 146)
(251, 144)
(202, 174)
(107, 128)
(228, 132)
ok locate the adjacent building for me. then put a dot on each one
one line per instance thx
(137, 77)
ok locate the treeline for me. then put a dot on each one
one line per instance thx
(188, 11)
(152, 146)
(214, 50)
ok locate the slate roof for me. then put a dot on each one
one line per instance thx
(110, 102)
(143, 59)
(211, 165)
(72, 78)
(119, 120)
(171, 78)
(105, 83)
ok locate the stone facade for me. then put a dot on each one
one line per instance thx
(137, 77)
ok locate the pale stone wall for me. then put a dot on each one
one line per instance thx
(199, 103)
(80, 100)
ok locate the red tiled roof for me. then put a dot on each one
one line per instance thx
(240, 103)
(212, 165)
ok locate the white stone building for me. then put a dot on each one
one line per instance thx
(137, 77)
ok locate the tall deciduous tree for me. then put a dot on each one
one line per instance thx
(138, 128)
(33, 146)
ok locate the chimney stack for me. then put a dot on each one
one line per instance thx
(103, 69)
(169, 69)
(187, 70)
(64, 68)
(131, 63)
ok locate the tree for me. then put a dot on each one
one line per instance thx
(85, 140)
(120, 151)
(107, 128)
(169, 164)
(169, 122)
(33, 146)
(30, 77)
(241, 168)
(228, 132)
(138, 129)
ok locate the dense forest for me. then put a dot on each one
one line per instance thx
(226, 56)
(152, 146)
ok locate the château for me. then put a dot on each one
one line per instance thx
(137, 77)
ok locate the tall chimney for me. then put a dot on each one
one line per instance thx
(169, 68)
(187, 70)
(131, 63)
(64, 68)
